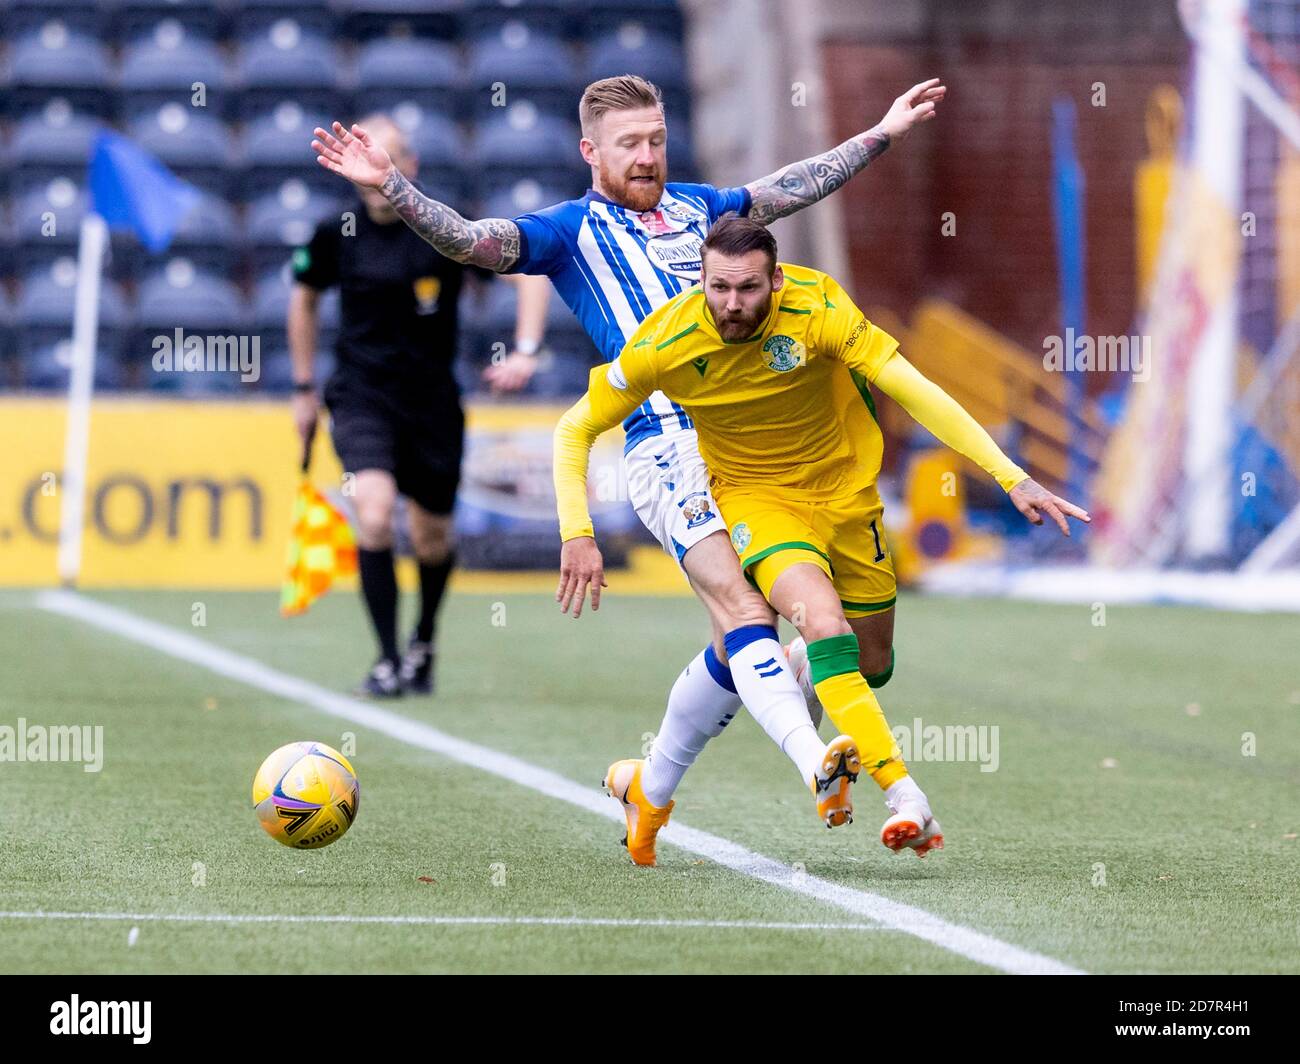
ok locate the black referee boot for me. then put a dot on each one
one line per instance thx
(382, 681)
(416, 671)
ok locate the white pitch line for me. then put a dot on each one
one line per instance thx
(441, 921)
(895, 916)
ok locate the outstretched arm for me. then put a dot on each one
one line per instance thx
(948, 420)
(802, 184)
(492, 243)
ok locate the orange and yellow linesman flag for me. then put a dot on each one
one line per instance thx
(321, 547)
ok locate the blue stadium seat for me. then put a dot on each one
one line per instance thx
(526, 195)
(89, 17)
(44, 309)
(210, 236)
(166, 63)
(408, 64)
(47, 368)
(54, 140)
(254, 17)
(286, 217)
(277, 148)
(523, 143)
(424, 18)
(491, 15)
(289, 61)
(633, 50)
(54, 58)
(525, 61)
(47, 218)
(596, 18)
(271, 308)
(196, 146)
(135, 17)
(178, 295)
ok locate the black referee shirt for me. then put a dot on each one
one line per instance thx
(398, 300)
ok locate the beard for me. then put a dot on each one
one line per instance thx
(635, 195)
(739, 328)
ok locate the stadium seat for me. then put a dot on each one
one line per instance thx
(48, 368)
(210, 235)
(52, 141)
(409, 64)
(600, 17)
(524, 196)
(271, 302)
(425, 18)
(166, 63)
(196, 146)
(634, 50)
(88, 17)
(57, 59)
(254, 17)
(523, 143)
(287, 60)
(136, 17)
(286, 217)
(547, 15)
(43, 311)
(178, 295)
(278, 147)
(47, 219)
(524, 61)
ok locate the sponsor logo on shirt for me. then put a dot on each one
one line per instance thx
(783, 353)
(676, 253)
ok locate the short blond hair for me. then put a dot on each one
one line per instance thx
(627, 92)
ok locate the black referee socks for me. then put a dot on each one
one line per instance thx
(433, 581)
(379, 588)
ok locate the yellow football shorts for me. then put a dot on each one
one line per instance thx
(844, 537)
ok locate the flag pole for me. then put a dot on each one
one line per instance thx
(76, 448)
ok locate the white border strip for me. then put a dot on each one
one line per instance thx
(895, 916)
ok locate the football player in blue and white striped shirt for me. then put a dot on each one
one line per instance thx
(622, 250)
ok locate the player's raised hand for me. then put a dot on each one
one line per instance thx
(1033, 500)
(918, 104)
(581, 566)
(353, 155)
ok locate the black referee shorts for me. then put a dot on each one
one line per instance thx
(409, 430)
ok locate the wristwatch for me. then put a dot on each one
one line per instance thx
(303, 387)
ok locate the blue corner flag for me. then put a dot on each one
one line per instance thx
(131, 189)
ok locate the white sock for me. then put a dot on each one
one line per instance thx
(700, 705)
(767, 687)
(905, 792)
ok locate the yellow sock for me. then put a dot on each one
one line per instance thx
(852, 706)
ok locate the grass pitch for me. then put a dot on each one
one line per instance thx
(1142, 816)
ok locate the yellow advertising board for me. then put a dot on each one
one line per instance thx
(199, 494)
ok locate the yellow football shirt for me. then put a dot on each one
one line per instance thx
(788, 408)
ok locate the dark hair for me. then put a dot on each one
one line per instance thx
(734, 236)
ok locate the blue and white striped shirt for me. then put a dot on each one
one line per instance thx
(613, 266)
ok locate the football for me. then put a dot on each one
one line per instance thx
(306, 795)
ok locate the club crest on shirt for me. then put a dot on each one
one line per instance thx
(695, 508)
(741, 537)
(426, 294)
(783, 353)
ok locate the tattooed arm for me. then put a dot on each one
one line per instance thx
(492, 243)
(802, 184)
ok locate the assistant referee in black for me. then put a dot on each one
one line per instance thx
(394, 405)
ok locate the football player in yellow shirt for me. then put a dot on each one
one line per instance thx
(773, 363)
